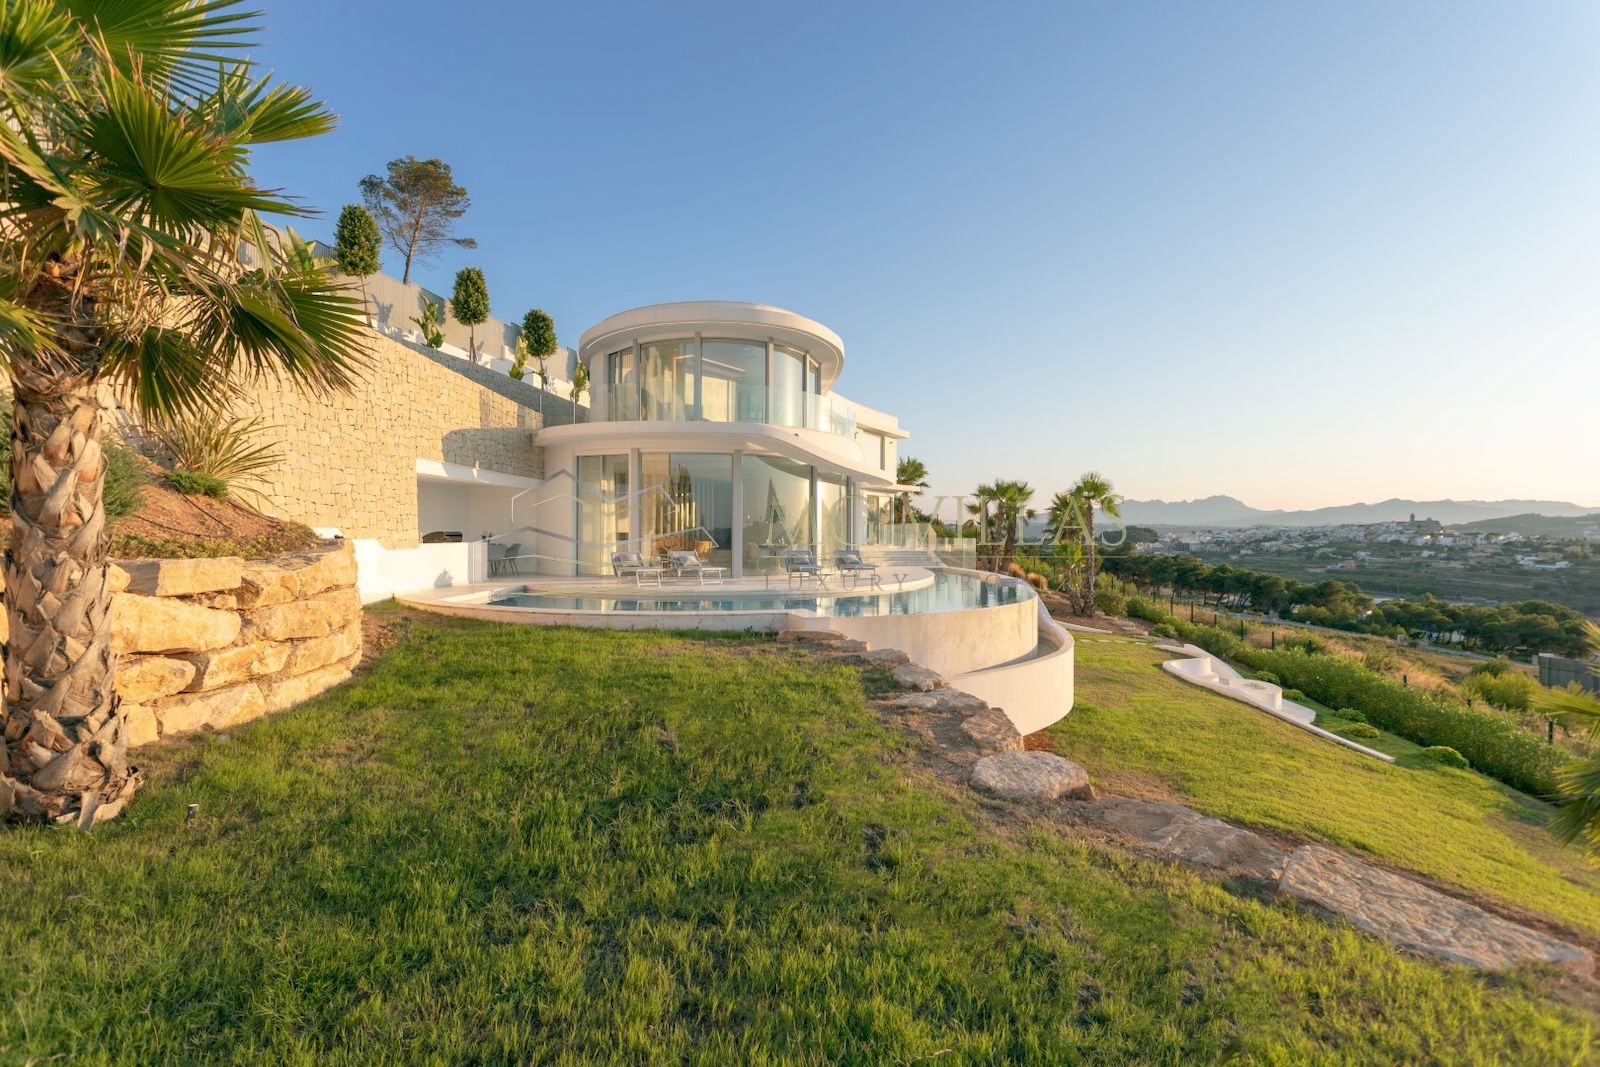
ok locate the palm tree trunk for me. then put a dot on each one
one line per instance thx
(66, 736)
(1089, 569)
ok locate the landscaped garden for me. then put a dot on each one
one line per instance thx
(531, 844)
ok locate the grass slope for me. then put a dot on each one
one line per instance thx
(1136, 724)
(517, 844)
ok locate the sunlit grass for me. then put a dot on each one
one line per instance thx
(518, 844)
(1231, 761)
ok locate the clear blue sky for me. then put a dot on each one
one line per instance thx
(1299, 254)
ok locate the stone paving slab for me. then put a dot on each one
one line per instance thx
(1029, 776)
(939, 701)
(1420, 919)
(1185, 835)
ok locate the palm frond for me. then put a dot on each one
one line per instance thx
(179, 41)
(257, 112)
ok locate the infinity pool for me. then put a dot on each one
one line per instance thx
(949, 592)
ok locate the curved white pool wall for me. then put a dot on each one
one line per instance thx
(950, 642)
(1035, 692)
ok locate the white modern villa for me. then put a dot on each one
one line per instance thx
(713, 426)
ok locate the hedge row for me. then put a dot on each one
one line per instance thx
(1493, 744)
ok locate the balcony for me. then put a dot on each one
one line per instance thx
(722, 401)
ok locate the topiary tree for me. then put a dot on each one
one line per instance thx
(357, 248)
(539, 336)
(470, 305)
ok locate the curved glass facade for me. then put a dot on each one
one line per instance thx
(715, 379)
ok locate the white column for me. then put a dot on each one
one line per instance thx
(738, 514)
(635, 501)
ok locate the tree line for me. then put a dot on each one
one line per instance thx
(1522, 626)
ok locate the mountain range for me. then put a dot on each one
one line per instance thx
(1228, 511)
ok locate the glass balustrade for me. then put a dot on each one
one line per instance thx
(722, 400)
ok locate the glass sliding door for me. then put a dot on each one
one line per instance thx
(602, 512)
(833, 509)
(734, 381)
(687, 504)
(777, 510)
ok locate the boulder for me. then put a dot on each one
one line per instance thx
(317, 616)
(884, 657)
(912, 676)
(990, 732)
(1184, 835)
(160, 624)
(1032, 776)
(182, 577)
(287, 691)
(217, 708)
(239, 663)
(144, 678)
(1419, 919)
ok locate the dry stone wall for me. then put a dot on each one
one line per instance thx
(350, 458)
(218, 642)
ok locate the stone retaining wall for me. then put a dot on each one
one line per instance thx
(218, 642)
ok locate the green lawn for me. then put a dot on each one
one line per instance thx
(517, 844)
(1134, 723)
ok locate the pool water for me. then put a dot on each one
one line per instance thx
(949, 592)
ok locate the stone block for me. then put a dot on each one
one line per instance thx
(990, 732)
(182, 577)
(913, 676)
(142, 725)
(116, 579)
(315, 652)
(317, 616)
(287, 691)
(294, 577)
(141, 679)
(238, 663)
(161, 624)
(217, 708)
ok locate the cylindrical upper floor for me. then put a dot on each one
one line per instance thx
(715, 361)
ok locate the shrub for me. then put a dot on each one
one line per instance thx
(1162, 629)
(289, 537)
(1495, 667)
(1378, 659)
(1446, 755)
(1352, 714)
(227, 450)
(1140, 608)
(1268, 677)
(1292, 694)
(1110, 602)
(1358, 729)
(193, 483)
(1510, 691)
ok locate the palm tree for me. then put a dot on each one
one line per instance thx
(1011, 511)
(1064, 528)
(909, 471)
(1579, 816)
(983, 498)
(1092, 490)
(124, 142)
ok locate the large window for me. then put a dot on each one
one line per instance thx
(788, 387)
(602, 512)
(622, 387)
(687, 504)
(734, 381)
(777, 510)
(666, 377)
